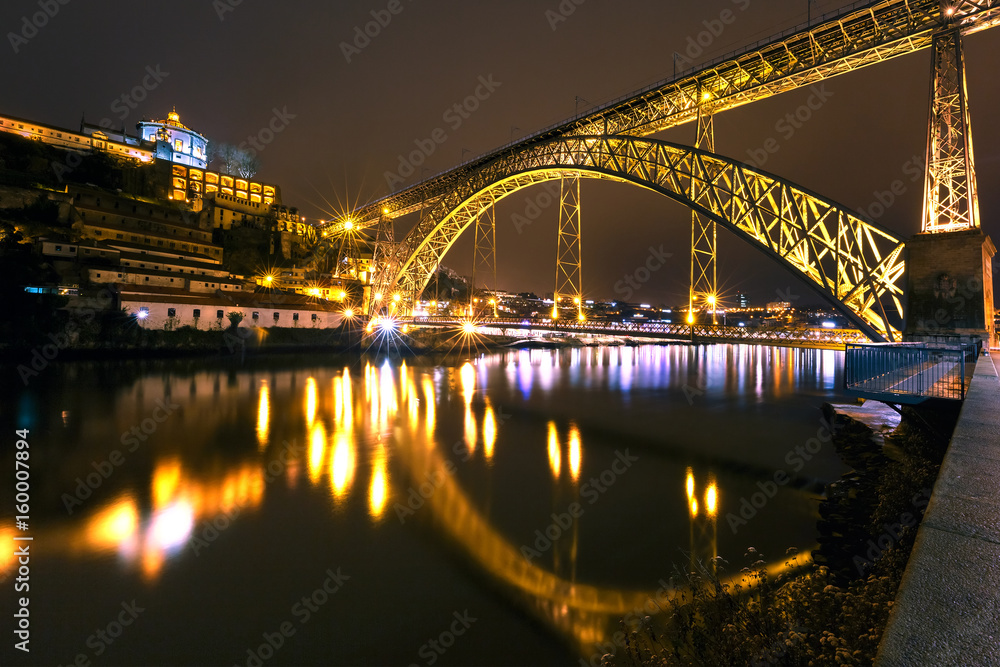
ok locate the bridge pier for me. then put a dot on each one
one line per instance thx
(950, 286)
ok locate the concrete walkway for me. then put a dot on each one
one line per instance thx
(947, 611)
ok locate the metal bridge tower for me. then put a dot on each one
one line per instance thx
(381, 258)
(484, 261)
(950, 198)
(703, 292)
(569, 256)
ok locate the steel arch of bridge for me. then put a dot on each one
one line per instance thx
(855, 264)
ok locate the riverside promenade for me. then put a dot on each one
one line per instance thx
(947, 611)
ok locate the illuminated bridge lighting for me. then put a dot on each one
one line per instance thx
(555, 456)
(263, 415)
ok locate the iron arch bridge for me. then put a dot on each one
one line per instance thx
(855, 264)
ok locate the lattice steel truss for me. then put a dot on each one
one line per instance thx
(951, 202)
(484, 261)
(569, 250)
(857, 36)
(379, 298)
(855, 264)
(703, 286)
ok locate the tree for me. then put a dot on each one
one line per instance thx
(247, 164)
(228, 157)
(235, 317)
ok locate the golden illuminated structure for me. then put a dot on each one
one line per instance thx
(569, 252)
(484, 260)
(951, 201)
(703, 285)
(854, 262)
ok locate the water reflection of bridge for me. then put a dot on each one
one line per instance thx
(370, 435)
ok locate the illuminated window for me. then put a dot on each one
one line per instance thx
(179, 183)
(179, 194)
(178, 145)
(268, 200)
(227, 191)
(241, 184)
(241, 194)
(255, 198)
(195, 174)
(227, 181)
(255, 187)
(211, 188)
(211, 177)
(179, 170)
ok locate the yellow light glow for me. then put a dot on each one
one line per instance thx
(690, 318)
(349, 225)
(114, 526)
(311, 398)
(689, 484)
(378, 491)
(706, 96)
(378, 296)
(397, 297)
(489, 432)
(268, 280)
(694, 507)
(468, 327)
(470, 429)
(385, 210)
(711, 499)
(429, 415)
(349, 313)
(166, 480)
(314, 291)
(711, 299)
(555, 457)
(574, 452)
(468, 374)
(576, 301)
(317, 450)
(263, 415)
(581, 317)
(341, 295)
(342, 464)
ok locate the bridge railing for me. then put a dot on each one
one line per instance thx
(908, 372)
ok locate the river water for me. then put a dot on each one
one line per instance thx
(499, 509)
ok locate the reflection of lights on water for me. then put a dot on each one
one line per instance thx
(470, 429)
(378, 492)
(317, 448)
(574, 452)
(489, 432)
(429, 407)
(170, 527)
(555, 458)
(342, 464)
(468, 374)
(263, 415)
(310, 401)
(689, 488)
(711, 499)
(115, 526)
(166, 477)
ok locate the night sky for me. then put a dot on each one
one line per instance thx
(228, 69)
